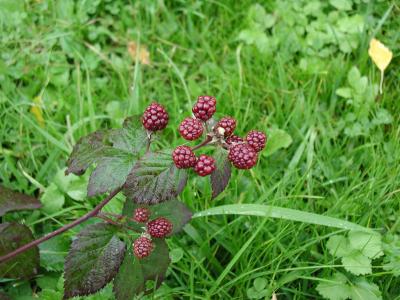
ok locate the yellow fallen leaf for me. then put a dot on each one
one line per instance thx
(381, 56)
(144, 56)
(36, 110)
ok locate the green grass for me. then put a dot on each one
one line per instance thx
(78, 63)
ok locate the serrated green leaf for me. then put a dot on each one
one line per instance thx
(357, 263)
(52, 199)
(334, 288)
(88, 150)
(110, 173)
(220, 177)
(25, 264)
(93, 261)
(11, 201)
(364, 290)
(277, 139)
(53, 252)
(155, 179)
(129, 280)
(338, 246)
(370, 244)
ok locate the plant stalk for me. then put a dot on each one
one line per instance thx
(66, 227)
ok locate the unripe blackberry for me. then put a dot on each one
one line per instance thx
(155, 117)
(142, 247)
(191, 129)
(228, 124)
(256, 139)
(205, 107)
(205, 165)
(183, 157)
(234, 139)
(159, 227)
(242, 156)
(141, 214)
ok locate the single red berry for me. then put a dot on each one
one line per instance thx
(159, 227)
(141, 214)
(228, 124)
(234, 139)
(183, 157)
(242, 156)
(205, 165)
(155, 117)
(205, 107)
(191, 129)
(256, 139)
(142, 247)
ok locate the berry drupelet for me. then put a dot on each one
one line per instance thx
(205, 107)
(205, 165)
(155, 117)
(256, 139)
(234, 139)
(242, 156)
(159, 228)
(142, 247)
(191, 129)
(141, 214)
(183, 157)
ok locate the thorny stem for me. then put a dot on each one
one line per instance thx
(66, 227)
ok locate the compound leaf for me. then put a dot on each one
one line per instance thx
(155, 179)
(25, 264)
(93, 261)
(11, 201)
(222, 173)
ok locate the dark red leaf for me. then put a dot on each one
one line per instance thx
(11, 200)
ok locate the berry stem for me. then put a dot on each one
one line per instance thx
(66, 227)
(203, 143)
(116, 223)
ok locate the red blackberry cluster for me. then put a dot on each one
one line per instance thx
(256, 139)
(184, 157)
(205, 107)
(159, 228)
(205, 165)
(155, 117)
(228, 124)
(142, 247)
(141, 214)
(191, 129)
(242, 156)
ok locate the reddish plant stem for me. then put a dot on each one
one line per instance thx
(111, 221)
(34, 243)
(203, 143)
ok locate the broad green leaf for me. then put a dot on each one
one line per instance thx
(176, 255)
(364, 290)
(357, 263)
(341, 4)
(353, 76)
(370, 244)
(280, 213)
(334, 288)
(155, 266)
(52, 199)
(25, 264)
(260, 284)
(88, 150)
(93, 261)
(129, 280)
(222, 173)
(110, 173)
(344, 92)
(11, 201)
(53, 252)
(382, 117)
(277, 139)
(338, 246)
(392, 254)
(155, 179)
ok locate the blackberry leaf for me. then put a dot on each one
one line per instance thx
(93, 261)
(221, 175)
(11, 201)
